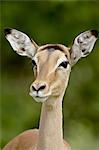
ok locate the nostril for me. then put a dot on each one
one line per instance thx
(33, 88)
(38, 88)
(42, 87)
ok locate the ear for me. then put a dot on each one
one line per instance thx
(20, 42)
(83, 45)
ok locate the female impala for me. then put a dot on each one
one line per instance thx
(52, 66)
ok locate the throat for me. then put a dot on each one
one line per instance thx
(50, 129)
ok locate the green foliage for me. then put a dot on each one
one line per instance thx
(51, 22)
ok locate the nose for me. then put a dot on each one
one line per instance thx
(38, 87)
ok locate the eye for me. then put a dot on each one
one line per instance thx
(64, 64)
(34, 63)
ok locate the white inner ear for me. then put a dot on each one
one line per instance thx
(21, 43)
(85, 42)
(83, 45)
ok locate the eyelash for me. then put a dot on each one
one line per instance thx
(64, 64)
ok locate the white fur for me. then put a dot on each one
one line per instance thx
(19, 41)
(84, 41)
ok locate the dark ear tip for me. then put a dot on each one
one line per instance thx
(7, 31)
(95, 33)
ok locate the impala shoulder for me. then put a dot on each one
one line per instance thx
(22, 141)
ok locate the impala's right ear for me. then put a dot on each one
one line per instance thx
(83, 45)
(21, 43)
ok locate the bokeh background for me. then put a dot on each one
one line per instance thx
(50, 22)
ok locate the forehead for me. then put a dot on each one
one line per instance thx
(53, 52)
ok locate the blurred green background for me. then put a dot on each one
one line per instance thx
(50, 22)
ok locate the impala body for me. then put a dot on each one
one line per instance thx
(52, 65)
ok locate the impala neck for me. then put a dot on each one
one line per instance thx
(50, 129)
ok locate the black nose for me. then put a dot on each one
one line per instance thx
(7, 31)
(38, 88)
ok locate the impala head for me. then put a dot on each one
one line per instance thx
(52, 63)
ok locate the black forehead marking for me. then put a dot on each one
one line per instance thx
(53, 47)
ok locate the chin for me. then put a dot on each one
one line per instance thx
(40, 99)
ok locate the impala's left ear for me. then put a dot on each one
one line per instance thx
(83, 45)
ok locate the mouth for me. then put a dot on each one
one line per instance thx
(38, 98)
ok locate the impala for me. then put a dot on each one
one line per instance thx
(52, 66)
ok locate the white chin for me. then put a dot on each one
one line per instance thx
(39, 99)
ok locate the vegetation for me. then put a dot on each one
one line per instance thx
(51, 22)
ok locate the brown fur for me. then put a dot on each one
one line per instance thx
(27, 141)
